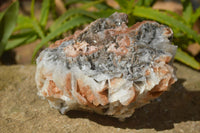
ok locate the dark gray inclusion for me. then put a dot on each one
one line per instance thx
(147, 44)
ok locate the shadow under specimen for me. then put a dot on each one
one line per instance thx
(174, 106)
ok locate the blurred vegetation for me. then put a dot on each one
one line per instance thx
(18, 29)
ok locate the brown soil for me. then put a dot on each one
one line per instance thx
(22, 111)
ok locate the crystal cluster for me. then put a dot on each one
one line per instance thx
(108, 67)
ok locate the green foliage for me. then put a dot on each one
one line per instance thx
(45, 12)
(90, 4)
(145, 3)
(20, 39)
(186, 59)
(32, 8)
(187, 11)
(37, 28)
(7, 23)
(70, 2)
(195, 16)
(23, 22)
(123, 4)
(28, 28)
(70, 13)
(162, 17)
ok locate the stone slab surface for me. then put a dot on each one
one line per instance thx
(21, 110)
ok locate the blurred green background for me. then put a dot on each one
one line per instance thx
(27, 27)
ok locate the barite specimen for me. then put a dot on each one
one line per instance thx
(108, 67)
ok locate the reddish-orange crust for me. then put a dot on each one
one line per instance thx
(86, 92)
(68, 85)
(53, 90)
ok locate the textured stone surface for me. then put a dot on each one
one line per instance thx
(107, 68)
(21, 111)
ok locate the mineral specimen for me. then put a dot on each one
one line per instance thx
(108, 67)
